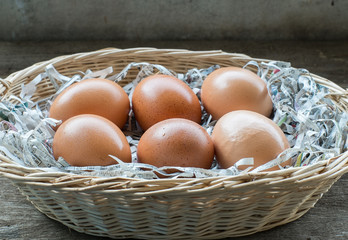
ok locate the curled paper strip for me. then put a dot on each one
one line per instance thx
(314, 126)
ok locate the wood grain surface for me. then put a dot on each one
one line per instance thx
(327, 220)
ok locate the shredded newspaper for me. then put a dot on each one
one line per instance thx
(314, 126)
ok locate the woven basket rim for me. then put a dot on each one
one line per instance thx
(186, 187)
(7, 81)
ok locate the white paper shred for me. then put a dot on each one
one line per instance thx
(314, 126)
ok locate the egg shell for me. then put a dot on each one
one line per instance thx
(176, 142)
(232, 88)
(88, 140)
(92, 96)
(245, 134)
(160, 97)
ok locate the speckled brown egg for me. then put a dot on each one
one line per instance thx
(92, 96)
(159, 97)
(176, 142)
(88, 140)
(246, 134)
(231, 88)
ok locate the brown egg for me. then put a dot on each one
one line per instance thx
(159, 97)
(88, 140)
(245, 134)
(231, 88)
(176, 142)
(92, 96)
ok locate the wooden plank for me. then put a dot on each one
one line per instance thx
(328, 59)
(155, 19)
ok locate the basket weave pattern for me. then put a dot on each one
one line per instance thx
(207, 208)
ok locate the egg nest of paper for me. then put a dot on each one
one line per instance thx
(313, 123)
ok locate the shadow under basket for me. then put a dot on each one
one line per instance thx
(209, 208)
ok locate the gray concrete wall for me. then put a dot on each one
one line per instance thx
(173, 19)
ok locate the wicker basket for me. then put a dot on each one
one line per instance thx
(207, 208)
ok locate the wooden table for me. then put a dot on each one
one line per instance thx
(327, 220)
